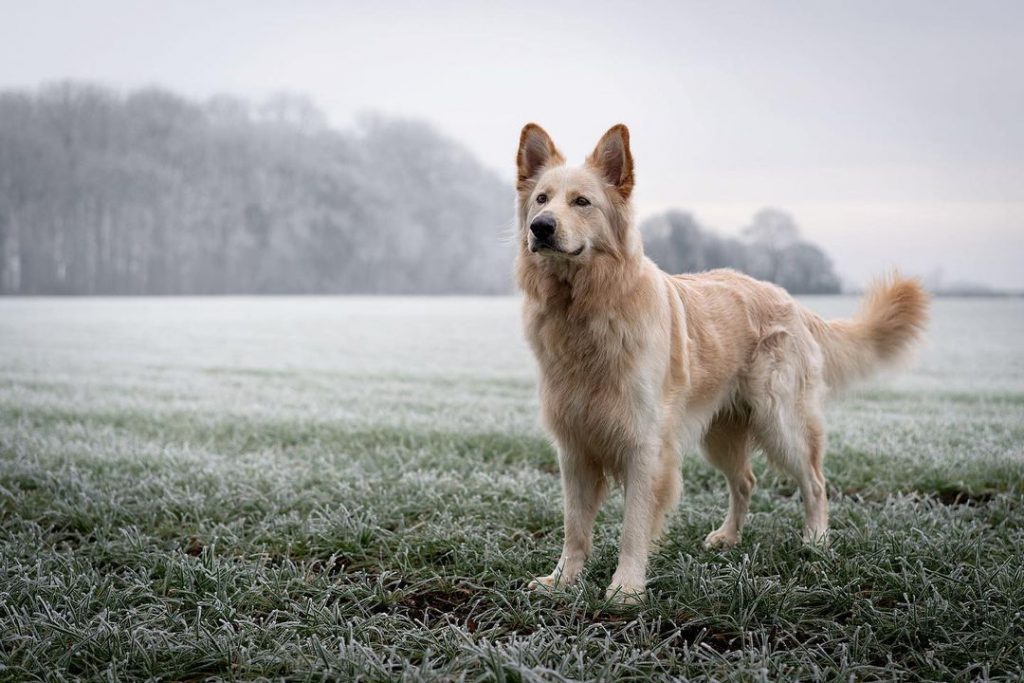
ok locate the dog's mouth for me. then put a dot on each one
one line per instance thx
(540, 247)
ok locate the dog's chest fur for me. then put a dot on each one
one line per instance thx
(596, 379)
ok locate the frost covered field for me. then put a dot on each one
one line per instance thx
(343, 487)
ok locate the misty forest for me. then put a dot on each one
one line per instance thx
(103, 192)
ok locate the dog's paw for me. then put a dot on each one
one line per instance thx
(619, 594)
(721, 538)
(817, 538)
(542, 583)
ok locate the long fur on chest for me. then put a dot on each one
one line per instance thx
(603, 367)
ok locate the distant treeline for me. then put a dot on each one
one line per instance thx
(771, 249)
(149, 193)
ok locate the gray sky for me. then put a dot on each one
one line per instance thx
(891, 130)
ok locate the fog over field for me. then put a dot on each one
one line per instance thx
(971, 345)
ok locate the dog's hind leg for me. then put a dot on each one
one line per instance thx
(793, 436)
(727, 447)
(784, 389)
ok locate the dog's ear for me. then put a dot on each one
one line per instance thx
(613, 160)
(536, 151)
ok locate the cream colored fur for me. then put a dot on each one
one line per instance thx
(637, 365)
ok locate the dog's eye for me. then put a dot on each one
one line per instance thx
(542, 198)
(582, 201)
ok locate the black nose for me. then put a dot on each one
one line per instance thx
(543, 226)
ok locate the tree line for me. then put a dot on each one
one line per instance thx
(769, 248)
(147, 192)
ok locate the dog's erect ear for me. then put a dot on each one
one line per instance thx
(613, 160)
(536, 151)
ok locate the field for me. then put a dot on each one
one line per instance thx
(358, 488)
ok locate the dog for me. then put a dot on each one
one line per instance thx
(636, 365)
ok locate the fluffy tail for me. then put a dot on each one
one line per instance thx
(891, 318)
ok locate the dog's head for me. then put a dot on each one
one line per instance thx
(574, 213)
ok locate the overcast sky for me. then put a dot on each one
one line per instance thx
(891, 130)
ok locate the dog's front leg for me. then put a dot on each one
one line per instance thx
(629, 580)
(583, 489)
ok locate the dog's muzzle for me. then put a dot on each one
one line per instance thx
(543, 229)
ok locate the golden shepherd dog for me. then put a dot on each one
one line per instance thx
(637, 365)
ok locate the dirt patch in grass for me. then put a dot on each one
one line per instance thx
(430, 606)
(963, 497)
